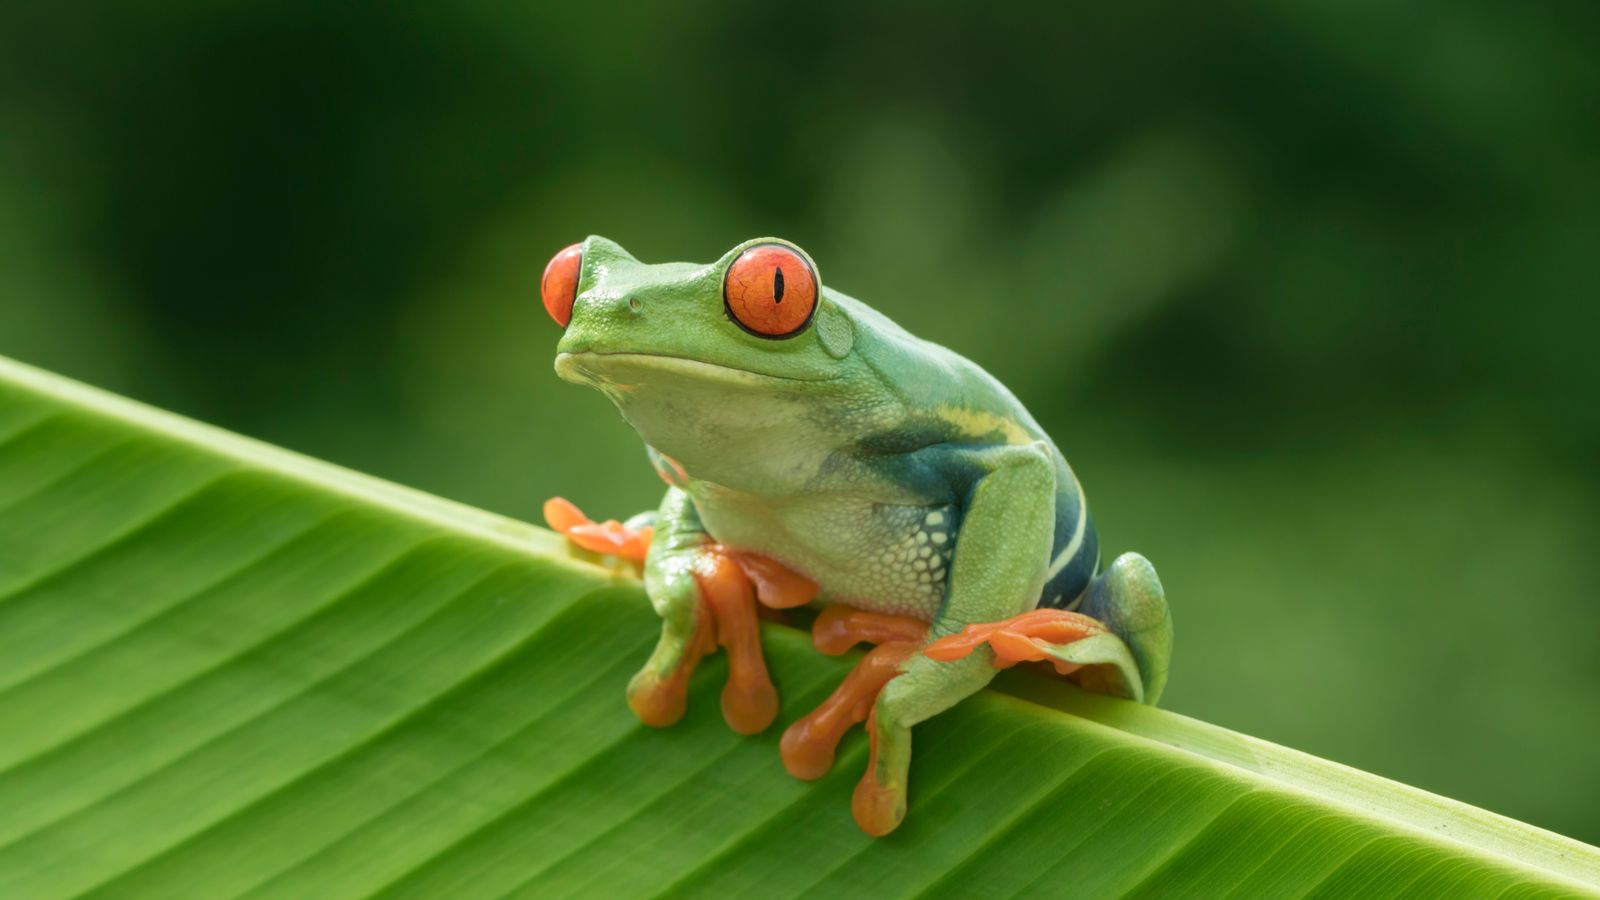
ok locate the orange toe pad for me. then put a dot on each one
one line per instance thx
(609, 536)
(749, 701)
(877, 808)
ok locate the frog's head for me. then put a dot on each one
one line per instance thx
(756, 317)
(691, 354)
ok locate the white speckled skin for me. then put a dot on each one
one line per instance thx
(882, 557)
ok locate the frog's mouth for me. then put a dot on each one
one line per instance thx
(625, 370)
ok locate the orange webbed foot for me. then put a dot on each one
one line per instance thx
(809, 745)
(608, 537)
(733, 592)
(1025, 638)
(726, 615)
(877, 808)
(660, 700)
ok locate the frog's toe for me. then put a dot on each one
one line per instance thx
(878, 809)
(659, 693)
(879, 801)
(809, 744)
(657, 701)
(612, 537)
(562, 514)
(749, 708)
(749, 701)
(629, 541)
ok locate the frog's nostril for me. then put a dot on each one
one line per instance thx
(634, 305)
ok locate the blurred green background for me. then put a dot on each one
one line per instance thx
(1307, 291)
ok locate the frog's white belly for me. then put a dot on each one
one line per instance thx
(874, 556)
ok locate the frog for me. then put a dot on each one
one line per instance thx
(817, 456)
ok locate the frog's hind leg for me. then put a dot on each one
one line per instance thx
(809, 744)
(1118, 640)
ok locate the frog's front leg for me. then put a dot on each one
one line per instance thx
(658, 693)
(704, 599)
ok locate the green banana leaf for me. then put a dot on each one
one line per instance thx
(228, 670)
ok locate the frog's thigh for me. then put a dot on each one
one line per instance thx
(1001, 554)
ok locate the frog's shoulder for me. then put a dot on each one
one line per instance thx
(940, 390)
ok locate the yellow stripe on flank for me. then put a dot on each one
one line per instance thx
(978, 423)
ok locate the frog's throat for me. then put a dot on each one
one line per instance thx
(623, 370)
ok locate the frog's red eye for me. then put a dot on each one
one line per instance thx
(770, 291)
(559, 287)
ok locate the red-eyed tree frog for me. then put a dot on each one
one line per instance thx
(815, 453)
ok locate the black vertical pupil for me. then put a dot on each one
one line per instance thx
(777, 285)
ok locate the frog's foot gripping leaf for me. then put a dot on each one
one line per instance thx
(1078, 646)
(734, 591)
(658, 694)
(809, 744)
(630, 541)
(749, 701)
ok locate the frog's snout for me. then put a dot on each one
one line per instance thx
(600, 326)
(607, 312)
